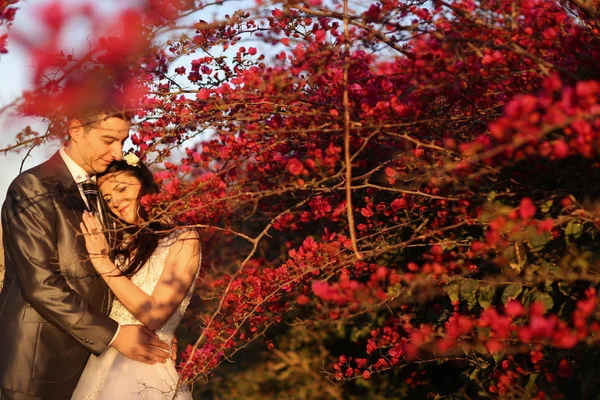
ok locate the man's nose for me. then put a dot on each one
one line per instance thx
(116, 151)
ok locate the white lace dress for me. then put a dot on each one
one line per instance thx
(112, 376)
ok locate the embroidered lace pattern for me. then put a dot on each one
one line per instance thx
(146, 279)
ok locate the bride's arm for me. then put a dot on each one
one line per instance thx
(180, 269)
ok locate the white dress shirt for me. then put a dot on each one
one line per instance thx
(79, 175)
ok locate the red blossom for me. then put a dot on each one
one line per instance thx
(536, 356)
(3, 42)
(295, 166)
(526, 209)
(564, 369)
(366, 212)
(514, 308)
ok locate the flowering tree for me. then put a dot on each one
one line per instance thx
(400, 202)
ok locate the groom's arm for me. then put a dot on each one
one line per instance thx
(29, 219)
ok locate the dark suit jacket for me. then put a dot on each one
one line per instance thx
(53, 305)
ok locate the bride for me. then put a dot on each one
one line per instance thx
(153, 281)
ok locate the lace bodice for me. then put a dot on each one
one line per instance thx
(146, 279)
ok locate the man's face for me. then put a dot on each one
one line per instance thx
(93, 149)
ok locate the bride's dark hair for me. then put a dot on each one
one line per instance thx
(136, 243)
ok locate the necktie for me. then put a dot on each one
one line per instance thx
(90, 191)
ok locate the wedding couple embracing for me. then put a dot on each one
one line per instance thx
(93, 290)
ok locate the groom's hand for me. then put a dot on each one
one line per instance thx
(141, 344)
(174, 349)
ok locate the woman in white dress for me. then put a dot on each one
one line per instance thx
(153, 280)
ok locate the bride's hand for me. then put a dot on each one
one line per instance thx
(95, 241)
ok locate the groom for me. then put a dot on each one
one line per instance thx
(53, 306)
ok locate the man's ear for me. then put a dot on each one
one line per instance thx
(75, 130)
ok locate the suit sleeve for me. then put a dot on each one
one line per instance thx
(29, 217)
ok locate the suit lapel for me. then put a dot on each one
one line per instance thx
(70, 191)
(67, 186)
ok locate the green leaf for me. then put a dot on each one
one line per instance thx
(530, 384)
(546, 206)
(341, 330)
(543, 298)
(561, 311)
(539, 240)
(358, 334)
(512, 291)
(493, 210)
(509, 253)
(395, 291)
(518, 266)
(580, 262)
(452, 291)
(565, 288)
(448, 246)
(486, 295)
(474, 374)
(498, 356)
(574, 229)
(468, 291)
(480, 348)
(360, 382)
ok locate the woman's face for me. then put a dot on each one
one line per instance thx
(120, 191)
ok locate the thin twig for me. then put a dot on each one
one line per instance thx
(347, 155)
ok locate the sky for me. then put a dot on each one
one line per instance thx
(17, 71)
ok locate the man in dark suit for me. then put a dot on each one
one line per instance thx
(53, 305)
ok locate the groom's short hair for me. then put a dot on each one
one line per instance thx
(88, 118)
